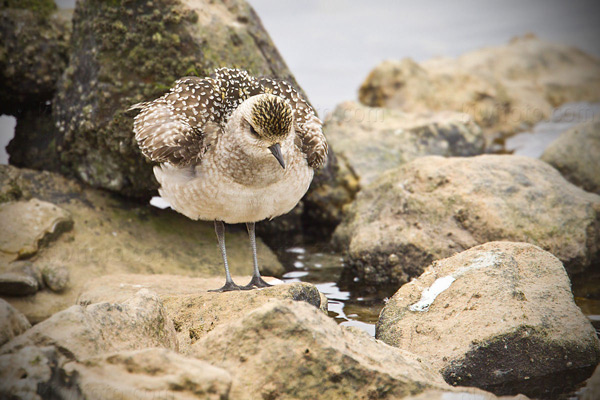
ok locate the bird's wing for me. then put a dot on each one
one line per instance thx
(308, 126)
(171, 128)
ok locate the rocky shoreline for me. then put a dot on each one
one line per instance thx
(103, 296)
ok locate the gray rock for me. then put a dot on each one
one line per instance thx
(56, 277)
(373, 140)
(116, 236)
(504, 88)
(288, 349)
(28, 372)
(116, 63)
(500, 317)
(83, 332)
(34, 41)
(434, 207)
(193, 309)
(12, 322)
(146, 373)
(575, 155)
(27, 225)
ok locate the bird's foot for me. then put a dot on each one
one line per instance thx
(257, 282)
(228, 287)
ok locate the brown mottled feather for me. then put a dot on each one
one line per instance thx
(171, 128)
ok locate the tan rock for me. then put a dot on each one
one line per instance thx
(500, 317)
(87, 331)
(28, 224)
(575, 154)
(112, 235)
(288, 349)
(193, 309)
(504, 88)
(12, 322)
(146, 373)
(434, 207)
(373, 140)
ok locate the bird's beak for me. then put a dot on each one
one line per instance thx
(276, 150)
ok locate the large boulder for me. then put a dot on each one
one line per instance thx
(500, 317)
(373, 140)
(504, 88)
(110, 235)
(575, 154)
(193, 309)
(288, 349)
(127, 52)
(434, 207)
(82, 332)
(34, 39)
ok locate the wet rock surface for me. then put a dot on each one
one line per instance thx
(195, 311)
(12, 322)
(290, 349)
(434, 207)
(575, 155)
(373, 140)
(500, 317)
(111, 235)
(34, 50)
(504, 88)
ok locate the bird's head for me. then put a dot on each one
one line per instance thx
(266, 122)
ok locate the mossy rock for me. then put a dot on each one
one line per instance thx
(124, 52)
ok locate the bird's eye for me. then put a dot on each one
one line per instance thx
(253, 131)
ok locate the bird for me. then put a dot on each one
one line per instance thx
(231, 148)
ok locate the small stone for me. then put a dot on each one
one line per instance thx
(56, 278)
(17, 284)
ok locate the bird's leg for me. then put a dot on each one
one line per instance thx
(229, 285)
(256, 280)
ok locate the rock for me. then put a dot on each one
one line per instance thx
(116, 63)
(575, 155)
(17, 284)
(592, 388)
(29, 224)
(34, 40)
(146, 373)
(463, 394)
(373, 140)
(20, 278)
(434, 207)
(28, 373)
(81, 332)
(499, 316)
(504, 88)
(193, 309)
(12, 322)
(56, 277)
(288, 349)
(112, 235)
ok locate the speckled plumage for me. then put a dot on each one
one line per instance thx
(171, 128)
(231, 148)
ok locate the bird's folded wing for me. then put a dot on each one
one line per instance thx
(308, 126)
(170, 128)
